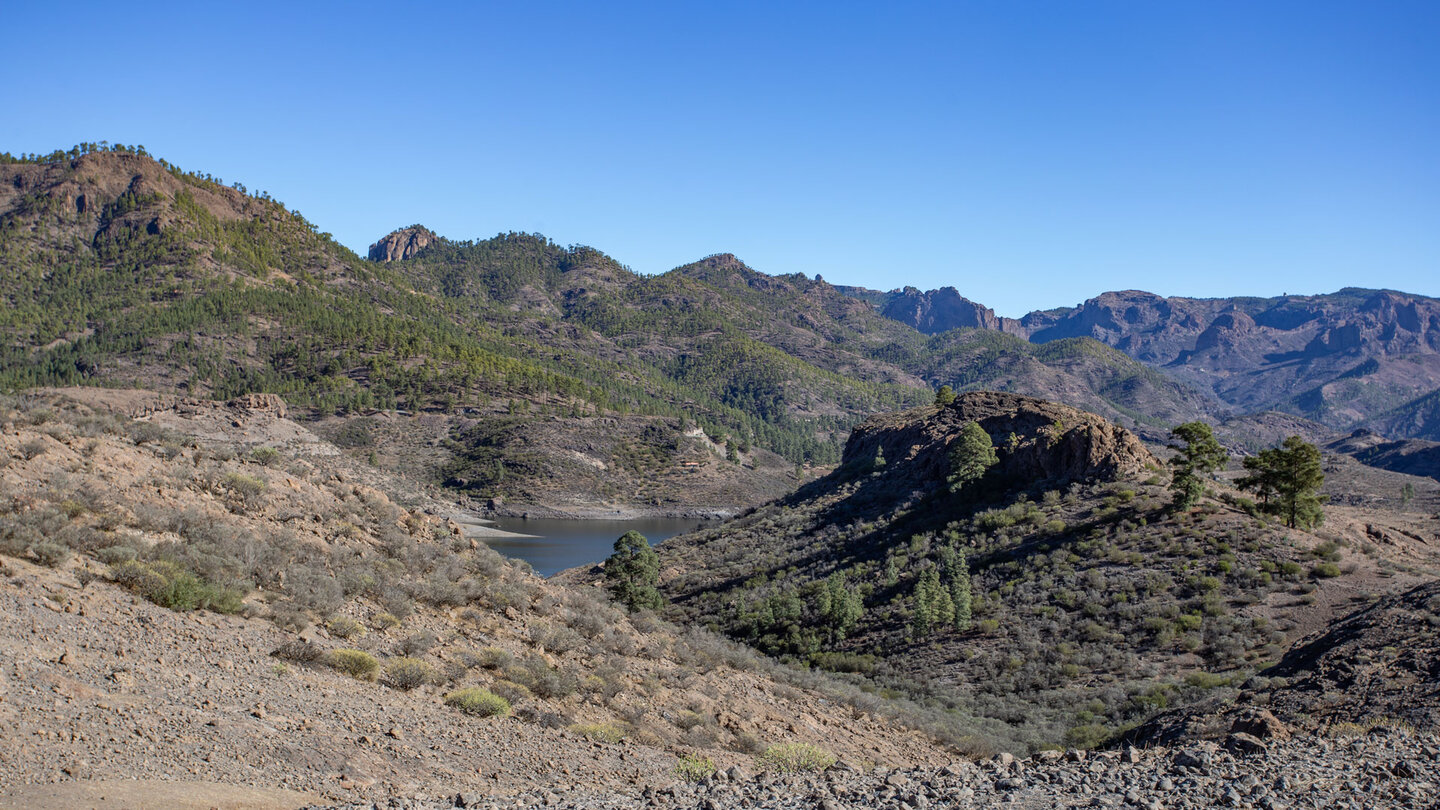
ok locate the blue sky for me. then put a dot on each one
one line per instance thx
(1031, 154)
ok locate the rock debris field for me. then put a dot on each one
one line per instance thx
(1384, 768)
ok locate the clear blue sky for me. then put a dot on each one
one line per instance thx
(1031, 154)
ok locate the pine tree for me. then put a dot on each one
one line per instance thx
(1200, 455)
(633, 572)
(928, 604)
(971, 455)
(1287, 479)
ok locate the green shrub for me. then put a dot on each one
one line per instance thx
(511, 691)
(116, 554)
(345, 627)
(408, 673)
(168, 585)
(299, 651)
(479, 702)
(495, 658)
(792, 757)
(245, 490)
(384, 621)
(1087, 735)
(1325, 570)
(268, 456)
(600, 732)
(358, 664)
(695, 768)
(1205, 680)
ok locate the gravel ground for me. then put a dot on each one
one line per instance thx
(1382, 769)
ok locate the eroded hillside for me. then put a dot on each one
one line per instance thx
(212, 594)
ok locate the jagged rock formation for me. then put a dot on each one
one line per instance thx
(402, 244)
(944, 309)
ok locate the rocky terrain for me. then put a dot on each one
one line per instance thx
(1409, 456)
(1387, 767)
(402, 244)
(105, 693)
(944, 309)
(113, 531)
(251, 583)
(1092, 603)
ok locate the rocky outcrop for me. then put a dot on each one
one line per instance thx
(942, 310)
(262, 403)
(402, 244)
(1378, 667)
(1036, 441)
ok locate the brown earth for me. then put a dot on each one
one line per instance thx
(98, 684)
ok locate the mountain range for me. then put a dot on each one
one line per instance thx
(1342, 359)
(123, 270)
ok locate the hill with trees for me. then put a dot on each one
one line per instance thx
(1039, 582)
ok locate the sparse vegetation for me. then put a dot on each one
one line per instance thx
(479, 702)
(358, 664)
(600, 732)
(167, 584)
(407, 673)
(695, 768)
(795, 756)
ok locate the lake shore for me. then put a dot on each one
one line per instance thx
(609, 512)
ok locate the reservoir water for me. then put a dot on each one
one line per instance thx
(560, 544)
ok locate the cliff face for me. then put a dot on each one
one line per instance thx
(402, 244)
(944, 309)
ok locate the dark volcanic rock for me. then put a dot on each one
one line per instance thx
(1036, 440)
(1380, 662)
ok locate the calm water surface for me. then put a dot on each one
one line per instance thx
(561, 544)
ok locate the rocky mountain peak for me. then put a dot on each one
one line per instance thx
(941, 310)
(402, 244)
